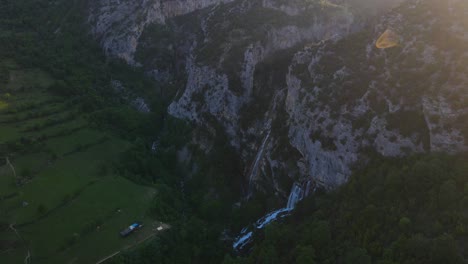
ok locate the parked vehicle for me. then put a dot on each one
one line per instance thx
(132, 228)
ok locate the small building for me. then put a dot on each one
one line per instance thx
(132, 228)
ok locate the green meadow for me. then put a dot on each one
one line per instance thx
(60, 198)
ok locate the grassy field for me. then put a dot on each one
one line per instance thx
(70, 205)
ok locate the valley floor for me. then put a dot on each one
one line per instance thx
(60, 200)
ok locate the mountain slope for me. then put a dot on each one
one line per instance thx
(300, 89)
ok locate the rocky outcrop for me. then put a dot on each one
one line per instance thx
(118, 24)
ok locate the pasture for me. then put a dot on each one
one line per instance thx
(60, 198)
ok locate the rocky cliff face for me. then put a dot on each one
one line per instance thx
(299, 87)
(120, 23)
(230, 85)
(350, 96)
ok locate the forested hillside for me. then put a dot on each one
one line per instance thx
(89, 157)
(412, 210)
(63, 129)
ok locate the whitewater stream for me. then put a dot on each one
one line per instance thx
(297, 193)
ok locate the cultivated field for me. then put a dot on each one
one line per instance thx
(60, 199)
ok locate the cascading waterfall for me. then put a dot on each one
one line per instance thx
(254, 169)
(307, 189)
(295, 196)
(243, 239)
(11, 166)
(297, 193)
(258, 157)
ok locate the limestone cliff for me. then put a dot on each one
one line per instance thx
(120, 23)
(299, 87)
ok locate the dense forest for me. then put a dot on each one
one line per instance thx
(412, 210)
(393, 210)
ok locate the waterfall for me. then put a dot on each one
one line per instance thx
(243, 239)
(269, 119)
(307, 189)
(297, 193)
(270, 217)
(11, 166)
(258, 157)
(295, 196)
